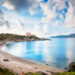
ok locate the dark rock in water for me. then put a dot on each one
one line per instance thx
(71, 67)
(65, 68)
(5, 60)
(41, 73)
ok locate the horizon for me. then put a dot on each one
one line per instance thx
(43, 18)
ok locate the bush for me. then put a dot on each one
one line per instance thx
(71, 67)
(5, 72)
(30, 73)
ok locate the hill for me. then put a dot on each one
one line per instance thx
(64, 36)
(14, 37)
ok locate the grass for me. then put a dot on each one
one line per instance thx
(5, 71)
(30, 73)
(10, 37)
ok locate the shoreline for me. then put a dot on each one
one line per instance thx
(19, 65)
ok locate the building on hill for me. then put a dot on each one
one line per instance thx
(28, 34)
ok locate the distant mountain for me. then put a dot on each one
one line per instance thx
(64, 36)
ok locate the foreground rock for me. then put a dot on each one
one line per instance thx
(71, 67)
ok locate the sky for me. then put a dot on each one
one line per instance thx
(42, 18)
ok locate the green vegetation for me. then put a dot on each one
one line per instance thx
(71, 67)
(14, 37)
(64, 73)
(70, 71)
(10, 37)
(30, 73)
(4, 71)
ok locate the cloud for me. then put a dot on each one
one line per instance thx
(53, 9)
(58, 13)
(2, 21)
(1, 13)
(49, 14)
(53, 12)
(27, 5)
(38, 30)
(70, 16)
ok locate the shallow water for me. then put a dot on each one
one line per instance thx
(56, 53)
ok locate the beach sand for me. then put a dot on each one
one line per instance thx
(19, 65)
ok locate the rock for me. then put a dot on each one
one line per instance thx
(47, 71)
(71, 67)
(47, 64)
(65, 68)
(41, 73)
(5, 60)
(36, 68)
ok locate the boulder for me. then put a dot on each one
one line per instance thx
(6, 60)
(71, 67)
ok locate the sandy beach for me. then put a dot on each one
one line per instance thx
(19, 65)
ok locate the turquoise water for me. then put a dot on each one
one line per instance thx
(56, 53)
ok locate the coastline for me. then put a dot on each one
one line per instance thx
(19, 65)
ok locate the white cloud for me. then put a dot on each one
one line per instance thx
(34, 7)
(60, 4)
(49, 10)
(38, 30)
(70, 16)
(8, 6)
(1, 20)
(49, 14)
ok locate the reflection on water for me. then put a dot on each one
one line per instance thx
(57, 53)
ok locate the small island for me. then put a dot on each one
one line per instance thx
(14, 37)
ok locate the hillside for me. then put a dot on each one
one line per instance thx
(64, 36)
(14, 37)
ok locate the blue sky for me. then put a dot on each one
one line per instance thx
(40, 17)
